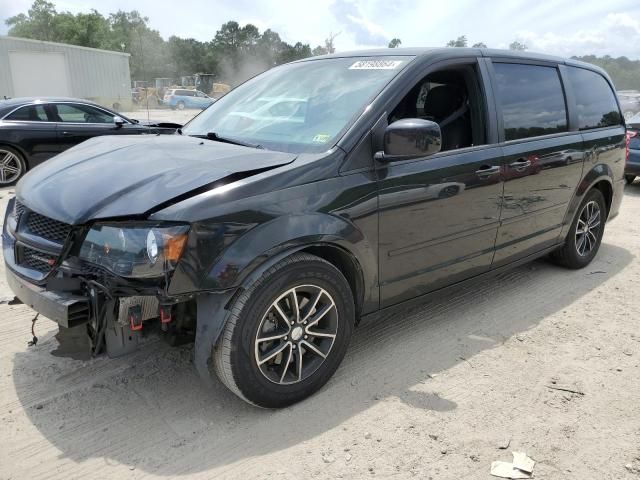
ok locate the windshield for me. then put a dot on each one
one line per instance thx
(299, 107)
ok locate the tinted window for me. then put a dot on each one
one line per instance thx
(595, 101)
(185, 93)
(32, 113)
(81, 114)
(452, 98)
(532, 100)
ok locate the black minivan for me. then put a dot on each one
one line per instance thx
(314, 195)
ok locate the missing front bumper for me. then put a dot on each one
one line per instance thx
(66, 309)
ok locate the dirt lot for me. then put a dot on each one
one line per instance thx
(435, 392)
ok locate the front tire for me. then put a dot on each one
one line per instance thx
(585, 235)
(629, 179)
(180, 105)
(12, 166)
(287, 334)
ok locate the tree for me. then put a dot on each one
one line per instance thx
(43, 22)
(295, 52)
(459, 42)
(328, 47)
(479, 45)
(85, 29)
(271, 46)
(234, 54)
(228, 37)
(515, 45)
(189, 56)
(625, 73)
(147, 48)
(329, 42)
(395, 43)
(38, 24)
(319, 50)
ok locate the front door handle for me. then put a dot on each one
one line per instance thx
(67, 134)
(487, 170)
(520, 164)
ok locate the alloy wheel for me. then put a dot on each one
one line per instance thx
(588, 228)
(296, 334)
(10, 167)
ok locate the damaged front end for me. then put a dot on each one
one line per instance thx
(99, 282)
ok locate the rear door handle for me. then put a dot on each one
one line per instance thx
(67, 134)
(521, 163)
(487, 170)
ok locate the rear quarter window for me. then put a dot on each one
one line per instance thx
(31, 113)
(532, 100)
(595, 100)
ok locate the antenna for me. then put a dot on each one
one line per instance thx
(144, 72)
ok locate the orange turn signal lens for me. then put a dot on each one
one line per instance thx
(173, 246)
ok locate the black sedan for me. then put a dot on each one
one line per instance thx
(33, 130)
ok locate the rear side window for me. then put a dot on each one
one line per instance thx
(185, 93)
(32, 113)
(532, 100)
(595, 101)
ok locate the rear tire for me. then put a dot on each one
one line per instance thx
(12, 166)
(180, 105)
(585, 235)
(629, 179)
(302, 308)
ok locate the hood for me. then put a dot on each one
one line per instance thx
(126, 175)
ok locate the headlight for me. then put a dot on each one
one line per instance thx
(152, 246)
(138, 251)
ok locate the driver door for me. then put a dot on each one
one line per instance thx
(439, 215)
(77, 122)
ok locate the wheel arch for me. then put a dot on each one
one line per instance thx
(338, 256)
(606, 188)
(347, 264)
(601, 177)
(213, 308)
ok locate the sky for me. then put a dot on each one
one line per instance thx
(560, 27)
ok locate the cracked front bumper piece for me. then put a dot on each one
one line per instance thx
(66, 309)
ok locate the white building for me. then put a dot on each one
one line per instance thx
(32, 68)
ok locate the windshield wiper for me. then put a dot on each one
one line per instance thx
(217, 138)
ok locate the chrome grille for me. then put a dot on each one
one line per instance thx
(36, 260)
(48, 228)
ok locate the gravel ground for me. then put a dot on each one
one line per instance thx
(164, 114)
(439, 391)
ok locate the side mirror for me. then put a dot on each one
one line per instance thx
(410, 138)
(118, 121)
